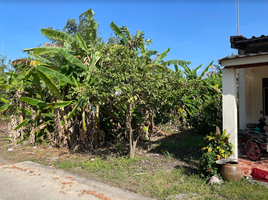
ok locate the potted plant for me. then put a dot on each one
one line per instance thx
(218, 147)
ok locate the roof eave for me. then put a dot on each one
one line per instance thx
(240, 61)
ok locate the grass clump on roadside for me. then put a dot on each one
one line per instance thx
(160, 183)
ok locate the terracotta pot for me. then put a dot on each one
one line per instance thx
(231, 172)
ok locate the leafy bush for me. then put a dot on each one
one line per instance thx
(210, 115)
(218, 146)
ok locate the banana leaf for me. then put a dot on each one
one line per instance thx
(55, 74)
(22, 123)
(43, 50)
(41, 126)
(4, 100)
(195, 70)
(82, 102)
(73, 59)
(73, 112)
(36, 81)
(12, 74)
(176, 62)
(75, 82)
(5, 86)
(162, 56)
(176, 68)
(4, 107)
(205, 70)
(42, 60)
(28, 73)
(53, 89)
(81, 41)
(48, 115)
(59, 104)
(149, 53)
(58, 35)
(187, 70)
(27, 112)
(119, 32)
(34, 102)
(93, 34)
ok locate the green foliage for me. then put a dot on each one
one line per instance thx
(22, 123)
(4, 66)
(128, 84)
(82, 26)
(218, 147)
(209, 115)
(119, 32)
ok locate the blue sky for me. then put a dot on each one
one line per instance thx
(196, 31)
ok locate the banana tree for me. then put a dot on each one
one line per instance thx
(38, 82)
(81, 57)
(17, 87)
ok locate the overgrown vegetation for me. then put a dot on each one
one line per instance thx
(80, 93)
(97, 102)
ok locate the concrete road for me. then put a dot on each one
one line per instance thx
(32, 181)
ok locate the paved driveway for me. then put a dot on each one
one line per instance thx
(31, 181)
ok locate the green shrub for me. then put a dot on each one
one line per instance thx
(218, 146)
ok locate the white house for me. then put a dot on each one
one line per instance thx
(252, 66)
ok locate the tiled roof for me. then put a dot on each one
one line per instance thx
(242, 43)
(252, 38)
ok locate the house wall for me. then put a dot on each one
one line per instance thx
(245, 87)
(257, 97)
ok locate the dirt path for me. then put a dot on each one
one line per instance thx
(28, 180)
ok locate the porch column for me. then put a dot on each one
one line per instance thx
(242, 100)
(229, 106)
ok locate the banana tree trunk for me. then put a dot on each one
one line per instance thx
(58, 130)
(70, 142)
(11, 126)
(20, 115)
(83, 130)
(96, 135)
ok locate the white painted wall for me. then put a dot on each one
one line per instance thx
(229, 106)
(259, 74)
(248, 97)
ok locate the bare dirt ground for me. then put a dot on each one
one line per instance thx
(45, 154)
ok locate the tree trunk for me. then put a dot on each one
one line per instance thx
(83, 130)
(151, 127)
(33, 119)
(70, 142)
(58, 130)
(132, 145)
(20, 121)
(11, 126)
(96, 134)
